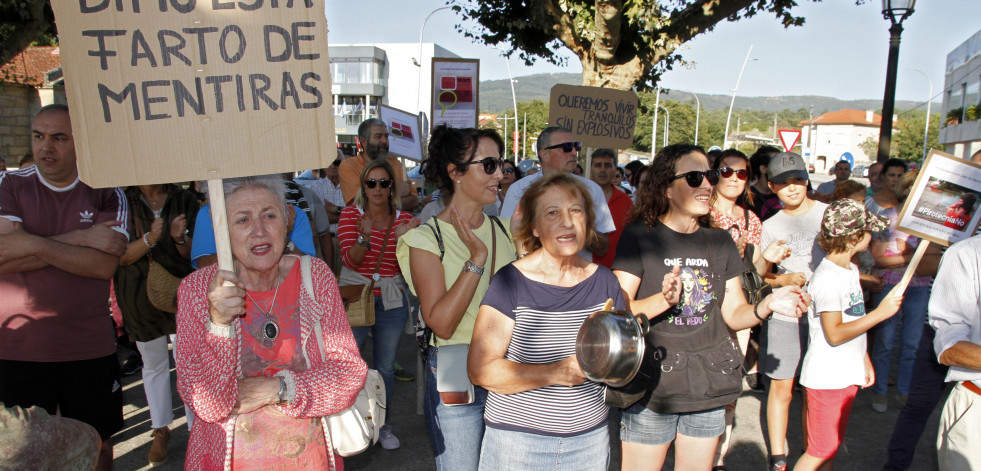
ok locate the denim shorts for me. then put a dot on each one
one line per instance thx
(505, 450)
(646, 427)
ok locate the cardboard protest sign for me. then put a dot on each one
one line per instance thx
(942, 206)
(599, 117)
(177, 90)
(404, 133)
(455, 92)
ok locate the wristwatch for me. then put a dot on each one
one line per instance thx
(473, 267)
(362, 241)
(282, 391)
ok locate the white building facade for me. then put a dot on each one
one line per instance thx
(960, 126)
(826, 138)
(364, 76)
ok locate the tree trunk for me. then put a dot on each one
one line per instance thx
(618, 76)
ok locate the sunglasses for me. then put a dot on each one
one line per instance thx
(694, 178)
(508, 171)
(727, 172)
(566, 146)
(384, 183)
(490, 164)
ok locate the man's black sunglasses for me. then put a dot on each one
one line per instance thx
(490, 164)
(384, 182)
(566, 146)
(694, 178)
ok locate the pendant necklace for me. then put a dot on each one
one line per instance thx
(270, 329)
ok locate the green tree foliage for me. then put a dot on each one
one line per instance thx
(622, 44)
(907, 136)
(22, 22)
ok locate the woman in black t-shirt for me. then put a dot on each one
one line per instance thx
(663, 256)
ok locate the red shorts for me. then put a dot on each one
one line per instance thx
(827, 417)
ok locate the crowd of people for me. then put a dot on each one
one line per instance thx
(499, 270)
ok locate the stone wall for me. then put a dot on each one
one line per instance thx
(17, 104)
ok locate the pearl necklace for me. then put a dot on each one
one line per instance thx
(270, 329)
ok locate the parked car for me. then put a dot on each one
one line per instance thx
(810, 168)
(861, 171)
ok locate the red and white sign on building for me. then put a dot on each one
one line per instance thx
(789, 138)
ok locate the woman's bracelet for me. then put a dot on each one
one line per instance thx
(757, 313)
(147, 241)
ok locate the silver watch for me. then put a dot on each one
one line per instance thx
(282, 390)
(473, 267)
(366, 243)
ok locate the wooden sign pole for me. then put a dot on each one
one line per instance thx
(914, 262)
(219, 220)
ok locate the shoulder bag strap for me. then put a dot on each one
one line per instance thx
(380, 255)
(307, 276)
(439, 236)
(493, 247)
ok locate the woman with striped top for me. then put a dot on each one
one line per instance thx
(366, 232)
(541, 412)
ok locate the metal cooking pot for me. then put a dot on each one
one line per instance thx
(610, 346)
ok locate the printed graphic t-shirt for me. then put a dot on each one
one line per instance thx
(800, 233)
(708, 258)
(834, 288)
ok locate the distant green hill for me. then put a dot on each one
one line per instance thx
(495, 97)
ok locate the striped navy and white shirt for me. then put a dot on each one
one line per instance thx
(546, 321)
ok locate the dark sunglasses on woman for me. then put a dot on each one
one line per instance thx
(694, 178)
(727, 172)
(490, 164)
(384, 182)
(507, 170)
(566, 146)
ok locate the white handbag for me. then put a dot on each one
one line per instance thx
(356, 428)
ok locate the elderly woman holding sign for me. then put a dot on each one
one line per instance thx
(266, 357)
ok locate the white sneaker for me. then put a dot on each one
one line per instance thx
(387, 439)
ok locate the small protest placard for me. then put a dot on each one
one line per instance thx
(177, 90)
(455, 89)
(404, 135)
(942, 206)
(599, 117)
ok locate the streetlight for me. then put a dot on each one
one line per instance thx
(667, 125)
(926, 129)
(725, 140)
(657, 104)
(418, 63)
(514, 99)
(895, 11)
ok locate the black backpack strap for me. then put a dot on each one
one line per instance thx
(439, 237)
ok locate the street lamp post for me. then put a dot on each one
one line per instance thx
(895, 11)
(926, 128)
(667, 125)
(419, 62)
(657, 103)
(725, 140)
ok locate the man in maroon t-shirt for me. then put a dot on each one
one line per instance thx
(603, 169)
(60, 245)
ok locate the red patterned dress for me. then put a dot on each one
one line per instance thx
(212, 359)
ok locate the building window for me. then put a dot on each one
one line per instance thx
(357, 71)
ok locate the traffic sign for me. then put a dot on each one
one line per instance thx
(789, 138)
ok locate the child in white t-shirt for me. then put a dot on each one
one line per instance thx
(836, 363)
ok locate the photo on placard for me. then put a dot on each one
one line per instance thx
(947, 203)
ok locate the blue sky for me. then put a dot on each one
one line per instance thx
(840, 51)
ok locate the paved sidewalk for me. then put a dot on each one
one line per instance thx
(864, 449)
